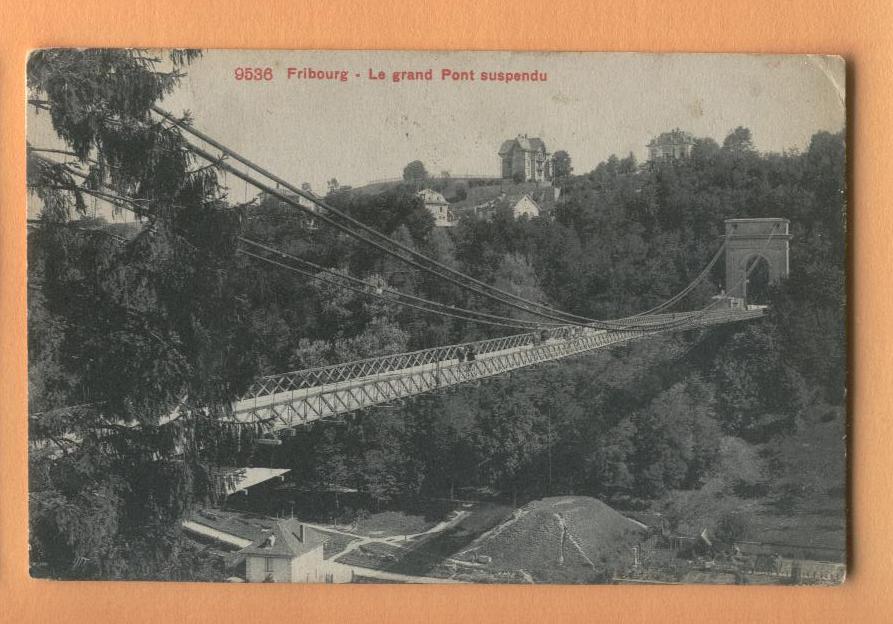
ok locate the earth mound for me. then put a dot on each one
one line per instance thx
(563, 539)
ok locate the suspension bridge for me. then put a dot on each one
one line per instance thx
(284, 401)
(288, 400)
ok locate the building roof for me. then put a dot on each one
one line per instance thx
(532, 145)
(505, 202)
(203, 530)
(244, 478)
(228, 527)
(673, 137)
(430, 196)
(506, 147)
(512, 200)
(285, 540)
(528, 144)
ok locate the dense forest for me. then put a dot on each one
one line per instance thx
(126, 326)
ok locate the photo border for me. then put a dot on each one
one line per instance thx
(859, 33)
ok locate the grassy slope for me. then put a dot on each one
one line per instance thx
(791, 491)
(387, 523)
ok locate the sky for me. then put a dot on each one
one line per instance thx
(592, 105)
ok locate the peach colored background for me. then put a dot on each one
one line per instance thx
(860, 31)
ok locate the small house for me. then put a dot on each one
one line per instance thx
(289, 553)
(267, 549)
(438, 206)
(525, 207)
(516, 205)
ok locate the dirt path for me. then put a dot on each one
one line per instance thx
(359, 541)
(440, 547)
(437, 528)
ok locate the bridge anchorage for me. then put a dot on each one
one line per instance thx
(757, 255)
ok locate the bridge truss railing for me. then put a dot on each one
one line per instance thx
(421, 373)
(318, 376)
(312, 377)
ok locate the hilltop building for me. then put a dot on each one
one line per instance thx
(527, 158)
(439, 208)
(669, 146)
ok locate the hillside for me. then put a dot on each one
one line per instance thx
(478, 191)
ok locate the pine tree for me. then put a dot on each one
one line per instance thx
(142, 320)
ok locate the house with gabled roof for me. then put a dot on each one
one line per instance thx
(267, 549)
(289, 553)
(525, 159)
(439, 207)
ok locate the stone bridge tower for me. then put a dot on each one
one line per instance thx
(749, 240)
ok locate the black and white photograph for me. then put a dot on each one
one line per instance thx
(436, 317)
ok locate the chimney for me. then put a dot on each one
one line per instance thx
(301, 532)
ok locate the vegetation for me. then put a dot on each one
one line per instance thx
(731, 528)
(173, 318)
(126, 332)
(415, 172)
(561, 165)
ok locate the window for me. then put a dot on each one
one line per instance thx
(268, 564)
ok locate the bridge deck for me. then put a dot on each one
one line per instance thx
(289, 400)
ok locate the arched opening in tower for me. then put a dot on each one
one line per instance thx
(757, 284)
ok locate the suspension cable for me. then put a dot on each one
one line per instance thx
(452, 310)
(365, 291)
(550, 312)
(132, 204)
(619, 324)
(678, 296)
(706, 309)
(317, 267)
(290, 200)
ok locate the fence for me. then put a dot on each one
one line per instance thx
(657, 559)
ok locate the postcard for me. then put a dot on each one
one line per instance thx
(436, 317)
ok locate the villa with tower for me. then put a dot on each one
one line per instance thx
(525, 159)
